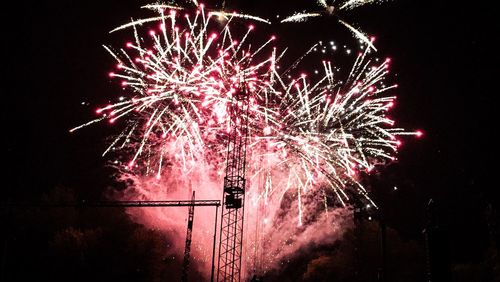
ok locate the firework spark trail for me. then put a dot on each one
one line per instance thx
(306, 135)
(351, 4)
(227, 16)
(300, 17)
(357, 33)
(178, 66)
(336, 10)
(326, 134)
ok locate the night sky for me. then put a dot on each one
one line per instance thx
(444, 55)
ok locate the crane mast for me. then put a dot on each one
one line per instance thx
(231, 234)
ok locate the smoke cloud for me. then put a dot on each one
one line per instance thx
(280, 220)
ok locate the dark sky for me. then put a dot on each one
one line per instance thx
(444, 55)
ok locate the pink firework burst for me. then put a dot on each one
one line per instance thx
(305, 135)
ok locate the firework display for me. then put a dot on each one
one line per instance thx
(306, 133)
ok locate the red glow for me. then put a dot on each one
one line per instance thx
(419, 133)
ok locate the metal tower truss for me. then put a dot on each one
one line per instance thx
(231, 234)
(187, 248)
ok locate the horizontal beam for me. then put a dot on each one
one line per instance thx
(126, 204)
